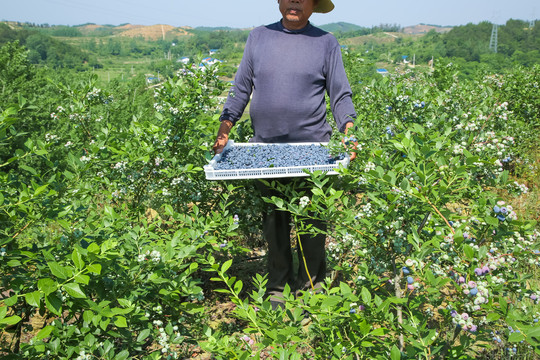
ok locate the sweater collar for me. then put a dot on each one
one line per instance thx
(299, 31)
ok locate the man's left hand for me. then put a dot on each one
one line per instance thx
(354, 143)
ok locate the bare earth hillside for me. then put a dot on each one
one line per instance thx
(154, 32)
(148, 32)
(423, 29)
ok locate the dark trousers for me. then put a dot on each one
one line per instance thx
(277, 233)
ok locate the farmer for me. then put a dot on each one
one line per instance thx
(287, 68)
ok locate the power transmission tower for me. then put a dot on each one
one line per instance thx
(493, 41)
(531, 24)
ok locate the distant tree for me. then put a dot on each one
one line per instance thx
(114, 47)
(15, 71)
(7, 34)
(37, 45)
(66, 31)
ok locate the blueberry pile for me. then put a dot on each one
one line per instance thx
(270, 156)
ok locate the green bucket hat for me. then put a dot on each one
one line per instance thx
(324, 6)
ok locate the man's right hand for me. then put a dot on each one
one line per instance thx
(222, 136)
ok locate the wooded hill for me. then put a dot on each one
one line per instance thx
(80, 46)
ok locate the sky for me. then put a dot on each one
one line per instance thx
(250, 13)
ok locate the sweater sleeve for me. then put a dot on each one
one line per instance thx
(339, 90)
(240, 92)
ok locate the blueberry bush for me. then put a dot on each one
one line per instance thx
(115, 246)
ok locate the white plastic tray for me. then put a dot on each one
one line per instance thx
(274, 172)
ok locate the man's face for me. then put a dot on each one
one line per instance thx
(295, 13)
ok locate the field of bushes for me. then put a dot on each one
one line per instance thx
(115, 246)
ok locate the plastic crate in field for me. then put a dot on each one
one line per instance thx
(261, 160)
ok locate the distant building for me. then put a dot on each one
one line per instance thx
(184, 60)
(383, 72)
(209, 61)
(213, 51)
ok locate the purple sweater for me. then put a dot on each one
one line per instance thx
(287, 73)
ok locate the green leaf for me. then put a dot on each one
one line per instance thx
(104, 323)
(469, 251)
(45, 332)
(143, 335)
(366, 296)
(47, 285)
(40, 189)
(277, 201)
(345, 289)
(82, 279)
(88, 315)
(504, 177)
(93, 248)
(94, 268)
(492, 221)
(109, 212)
(125, 303)
(405, 185)
(121, 311)
(535, 332)
(503, 302)
(89, 340)
(57, 270)
(122, 355)
(29, 169)
(431, 279)
(10, 301)
(226, 265)
(330, 302)
(12, 320)
(364, 327)
(120, 322)
(378, 332)
(63, 223)
(395, 354)
(482, 252)
(238, 286)
(54, 304)
(74, 290)
(33, 298)
(77, 259)
(516, 337)
(14, 263)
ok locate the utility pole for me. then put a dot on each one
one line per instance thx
(493, 41)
